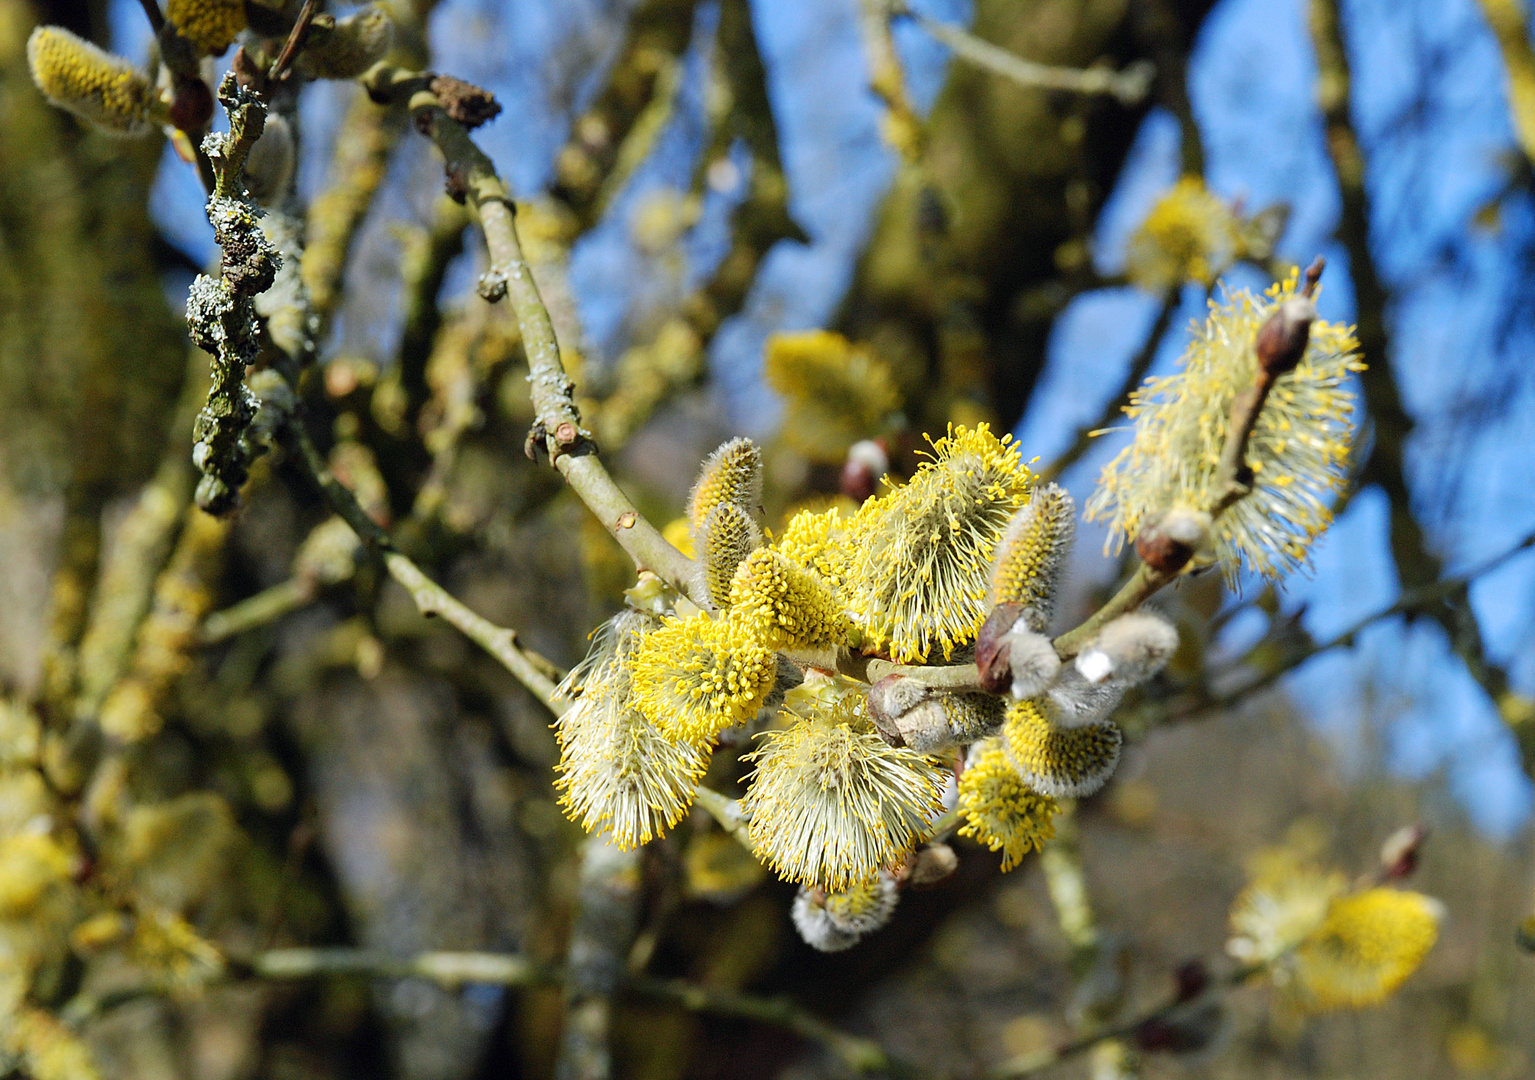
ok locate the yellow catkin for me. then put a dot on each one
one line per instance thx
(1366, 947)
(1000, 810)
(1060, 762)
(1189, 235)
(47, 1048)
(618, 773)
(922, 553)
(789, 604)
(1299, 449)
(830, 802)
(835, 392)
(693, 678)
(1280, 908)
(1033, 552)
(726, 537)
(105, 90)
(732, 474)
(166, 944)
(31, 864)
(820, 539)
(210, 25)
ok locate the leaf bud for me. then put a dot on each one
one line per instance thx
(866, 462)
(1283, 338)
(1400, 853)
(1177, 537)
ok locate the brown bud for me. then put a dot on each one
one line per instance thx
(1400, 853)
(191, 104)
(1192, 978)
(992, 657)
(866, 463)
(929, 866)
(456, 182)
(248, 73)
(465, 102)
(889, 699)
(1283, 338)
(1168, 545)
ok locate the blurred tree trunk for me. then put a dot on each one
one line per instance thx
(977, 248)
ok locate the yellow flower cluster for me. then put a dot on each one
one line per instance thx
(789, 603)
(1190, 235)
(1328, 947)
(819, 540)
(835, 392)
(104, 90)
(1001, 811)
(696, 677)
(1366, 947)
(830, 802)
(210, 25)
(1298, 451)
(1064, 762)
(922, 553)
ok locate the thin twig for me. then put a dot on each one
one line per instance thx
(153, 14)
(455, 969)
(1411, 600)
(532, 670)
(264, 607)
(726, 811)
(1037, 1062)
(1139, 365)
(1129, 86)
(295, 40)
(559, 423)
(1416, 563)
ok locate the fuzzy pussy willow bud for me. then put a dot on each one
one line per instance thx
(210, 25)
(834, 921)
(1032, 553)
(732, 474)
(350, 47)
(727, 535)
(1061, 762)
(104, 90)
(1170, 543)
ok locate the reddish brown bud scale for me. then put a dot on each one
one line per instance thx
(992, 658)
(191, 105)
(1283, 338)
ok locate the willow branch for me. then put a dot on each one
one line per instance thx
(1512, 29)
(1139, 366)
(1171, 1010)
(1129, 86)
(455, 969)
(606, 919)
(559, 422)
(1417, 564)
(857, 1054)
(530, 669)
(726, 811)
(1412, 600)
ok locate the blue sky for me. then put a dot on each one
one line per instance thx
(1432, 114)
